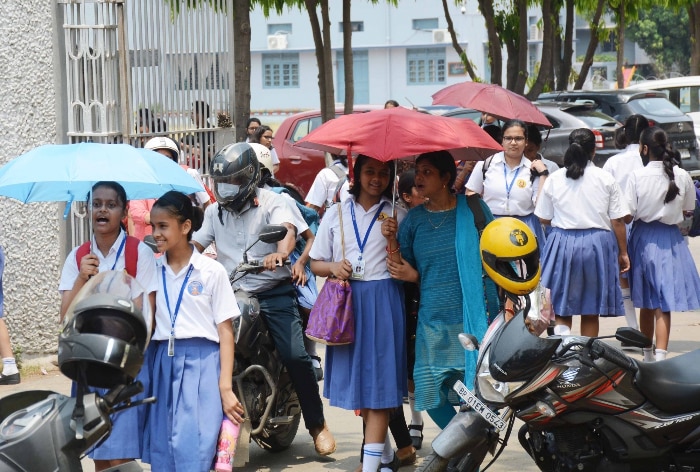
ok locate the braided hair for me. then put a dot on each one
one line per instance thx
(581, 149)
(659, 149)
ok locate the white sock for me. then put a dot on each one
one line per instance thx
(562, 330)
(630, 312)
(416, 416)
(388, 452)
(648, 354)
(9, 367)
(661, 354)
(372, 457)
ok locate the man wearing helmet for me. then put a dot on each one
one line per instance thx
(240, 212)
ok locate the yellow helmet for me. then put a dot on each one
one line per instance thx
(510, 255)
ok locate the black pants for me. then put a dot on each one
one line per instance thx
(284, 323)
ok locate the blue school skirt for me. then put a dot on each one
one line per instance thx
(663, 273)
(581, 269)
(533, 222)
(371, 372)
(183, 424)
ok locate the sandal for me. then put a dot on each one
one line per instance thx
(393, 465)
(318, 370)
(417, 440)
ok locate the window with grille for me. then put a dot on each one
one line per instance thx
(425, 66)
(280, 70)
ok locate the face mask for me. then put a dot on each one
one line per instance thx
(227, 190)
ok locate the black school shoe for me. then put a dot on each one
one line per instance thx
(9, 379)
(393, 465)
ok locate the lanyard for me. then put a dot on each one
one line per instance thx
(173, 317)
(119, 252)
(505, 177)
(357, 232)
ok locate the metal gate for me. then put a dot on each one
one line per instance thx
(135, 69)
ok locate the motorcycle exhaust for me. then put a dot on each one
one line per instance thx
(466, 432)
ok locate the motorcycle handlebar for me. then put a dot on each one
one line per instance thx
(599, 349)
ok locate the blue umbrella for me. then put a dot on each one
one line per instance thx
(67, 172)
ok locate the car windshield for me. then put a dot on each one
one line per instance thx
(592, 118)
(654, 106)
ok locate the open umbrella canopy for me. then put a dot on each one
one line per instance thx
(397, 133)
(67, 172)
(492, 99)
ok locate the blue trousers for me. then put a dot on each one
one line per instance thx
(284, 323)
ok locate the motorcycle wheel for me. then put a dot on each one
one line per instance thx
(433, 463)
(281, 437)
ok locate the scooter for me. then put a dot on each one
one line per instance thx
(260, 381)
(586, 405)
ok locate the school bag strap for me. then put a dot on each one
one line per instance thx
(342, 177)
(474, 202)
(487, 163)
(131, 254)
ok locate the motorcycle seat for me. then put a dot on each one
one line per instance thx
(672, 385)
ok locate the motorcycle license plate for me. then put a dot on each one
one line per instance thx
(476, 405)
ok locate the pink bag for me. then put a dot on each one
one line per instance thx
(331, 320)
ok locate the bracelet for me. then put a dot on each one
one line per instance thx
(389, 251)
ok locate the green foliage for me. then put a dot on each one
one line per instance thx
(663, 34)
(17, 351)
(599, 58)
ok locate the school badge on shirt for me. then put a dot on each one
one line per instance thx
(194, 288)
(382, 216)
(521, 183)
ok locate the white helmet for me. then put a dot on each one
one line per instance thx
(263, 154)
(161, 142)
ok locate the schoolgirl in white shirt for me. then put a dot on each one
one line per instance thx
(587, 243)
(507, 186)
(663, 277)
(194, 345)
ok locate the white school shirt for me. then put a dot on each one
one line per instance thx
(203, 196)
(523, 194)
(622, 165)
(646, 190)
(327, 245)
(207, 299)
(240, 230)
(299, 221)
(322, 191)
(588, 202)
(145, 266)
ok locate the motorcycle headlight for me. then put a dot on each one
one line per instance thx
(491, 390)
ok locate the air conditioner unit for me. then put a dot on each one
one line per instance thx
(277, 41)
(535, 33)
(441, 36)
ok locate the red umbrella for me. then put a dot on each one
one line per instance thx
(492, 99)
(396, 133)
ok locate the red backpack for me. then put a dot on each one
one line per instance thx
(131, 254)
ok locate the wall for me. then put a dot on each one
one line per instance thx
(29, 233)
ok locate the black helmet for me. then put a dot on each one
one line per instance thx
(106, 331)
(235, 171)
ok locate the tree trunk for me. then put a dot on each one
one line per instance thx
(347, 59)
(329, 97)
(511, 63)
(620, 44)
(694, 20)
(320, 58)
(523, 32)
(592, 45)
(567, 48)
(545, 74)
(455, 44)
(241, 59)
(495, 55)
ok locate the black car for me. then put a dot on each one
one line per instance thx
(566, 117)
(653, 105)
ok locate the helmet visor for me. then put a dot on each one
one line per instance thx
(228, 187)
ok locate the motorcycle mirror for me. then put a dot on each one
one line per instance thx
(150, 241)
(468, 341)
(632, 337)
(272, 233)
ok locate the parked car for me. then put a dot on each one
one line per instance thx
(653, 105)
(566, 117)
(299, 166)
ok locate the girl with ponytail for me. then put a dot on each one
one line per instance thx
(663, 276)
(585, 207)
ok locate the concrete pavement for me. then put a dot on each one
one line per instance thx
(347, 428)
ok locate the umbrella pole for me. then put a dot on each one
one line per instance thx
(393, 189)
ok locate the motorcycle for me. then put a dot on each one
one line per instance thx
(44, 431)
(586, 405)
(260, 381)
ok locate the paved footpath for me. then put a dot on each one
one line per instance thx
(685, 336)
